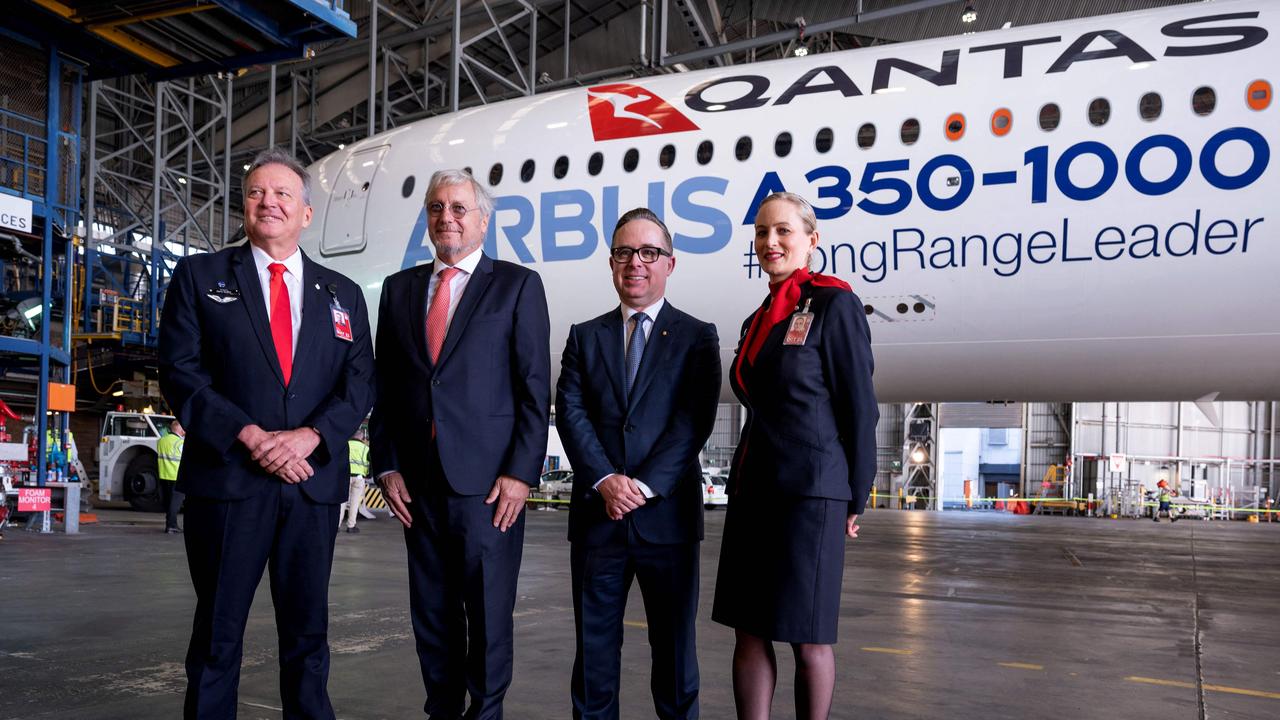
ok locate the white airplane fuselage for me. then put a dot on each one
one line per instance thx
(1134, 259)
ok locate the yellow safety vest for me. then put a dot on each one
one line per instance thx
(169, 450)
(359, 457)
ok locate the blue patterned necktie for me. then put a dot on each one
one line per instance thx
(635, 349)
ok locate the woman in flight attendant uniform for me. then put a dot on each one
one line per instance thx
(803, 468)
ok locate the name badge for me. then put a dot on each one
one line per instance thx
(341, 322)
(222, 294)
(801, 322)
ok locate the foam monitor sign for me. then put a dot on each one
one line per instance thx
(15, 213)
(35, 499)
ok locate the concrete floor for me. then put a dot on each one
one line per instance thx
(950, 615)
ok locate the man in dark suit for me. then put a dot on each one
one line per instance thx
(459, 434)
(635, 404)
(265, 358)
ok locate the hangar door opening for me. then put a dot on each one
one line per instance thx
(979, 445)
(344, 219)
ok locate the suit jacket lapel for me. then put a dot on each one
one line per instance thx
(657, 350)
(476, 286)
(251, 290)
(315, 308)
(417, 302)
(610, 345)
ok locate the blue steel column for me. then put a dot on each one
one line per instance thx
(46, 257)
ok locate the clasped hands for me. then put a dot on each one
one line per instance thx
(621, 495)
(283, 453)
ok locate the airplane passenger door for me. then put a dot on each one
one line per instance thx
(345, 217)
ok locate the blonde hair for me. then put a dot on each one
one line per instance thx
(807, 216)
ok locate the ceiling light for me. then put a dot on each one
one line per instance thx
(970, 13)
(801, 51)
(342, 146)
(919, 456)
(182, 181)
(246, 167)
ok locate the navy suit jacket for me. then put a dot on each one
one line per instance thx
(488, 395)
(811, 408)
(654, 436)
(219, 372)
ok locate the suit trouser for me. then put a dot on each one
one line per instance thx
(602, 576)
(229, 543)
(462, 593)
(172, 501)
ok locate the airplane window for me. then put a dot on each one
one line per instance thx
(782, 145)
(824, 140)
(407, 189)
(562, 167)
(1150, 106)
(705, 150)
(1099, 112)
(918, 307)
(866, 136)
(1204, 101)
(910, 131)
(902, 308)
(1001, 122)
(526, 171)
(495, 174)
(955, 126)
(743, 149)
(867, 308)
(630, 160)
(667, 157)
(595, 163)
(1050, 117)
(1259, 94)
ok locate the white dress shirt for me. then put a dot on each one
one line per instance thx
(651, 314)
(457, 284)
(292, 284)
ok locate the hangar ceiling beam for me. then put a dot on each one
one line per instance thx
(782, 36)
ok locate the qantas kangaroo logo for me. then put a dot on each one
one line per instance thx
(623, 110)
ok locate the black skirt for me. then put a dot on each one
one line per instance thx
(782, 568)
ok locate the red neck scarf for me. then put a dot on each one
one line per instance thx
(784, 297)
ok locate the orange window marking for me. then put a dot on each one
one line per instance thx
(955, 126)
(1001, 122)
(1259, 96)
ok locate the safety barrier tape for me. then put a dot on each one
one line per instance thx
(1213, 507)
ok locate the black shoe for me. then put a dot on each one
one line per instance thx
(353, 530)
(173, 531)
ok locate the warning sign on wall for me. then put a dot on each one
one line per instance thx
(1117, 463)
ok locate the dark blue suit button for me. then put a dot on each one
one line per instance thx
(629, 428)
(435, 382)
(293, 396)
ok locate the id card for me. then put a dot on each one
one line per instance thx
(801, 323)
(341, 322)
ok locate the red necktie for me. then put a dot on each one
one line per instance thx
(438, 314)
(281, 320)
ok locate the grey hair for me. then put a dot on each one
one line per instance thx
(443, 178)
(802, 206)
(643, 213)
(277, 156)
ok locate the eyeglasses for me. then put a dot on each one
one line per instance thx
(457, 210)
(648, 254)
